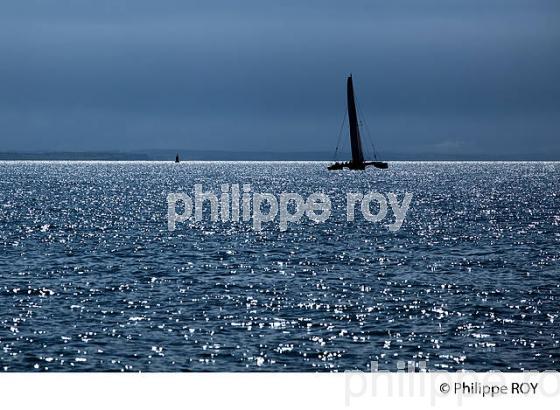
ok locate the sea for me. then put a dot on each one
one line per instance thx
(92, 279)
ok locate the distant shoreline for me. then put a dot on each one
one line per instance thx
(169, 155)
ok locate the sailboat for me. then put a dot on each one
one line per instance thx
(177, 158)
(357, 162)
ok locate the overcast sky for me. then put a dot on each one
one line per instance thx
(436, 76)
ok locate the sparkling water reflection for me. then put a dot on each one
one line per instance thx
(91, 279)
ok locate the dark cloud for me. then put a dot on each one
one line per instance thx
(455, 75)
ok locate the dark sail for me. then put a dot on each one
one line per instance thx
(357, 154)
(357, 162)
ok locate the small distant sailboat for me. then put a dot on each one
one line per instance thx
(177, 160)
(357, 162)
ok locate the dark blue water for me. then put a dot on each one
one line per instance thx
(92, 280)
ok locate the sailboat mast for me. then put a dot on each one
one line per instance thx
(357, 154)
(357, 162)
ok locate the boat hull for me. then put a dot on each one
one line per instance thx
(337, 166)
(380, 164)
